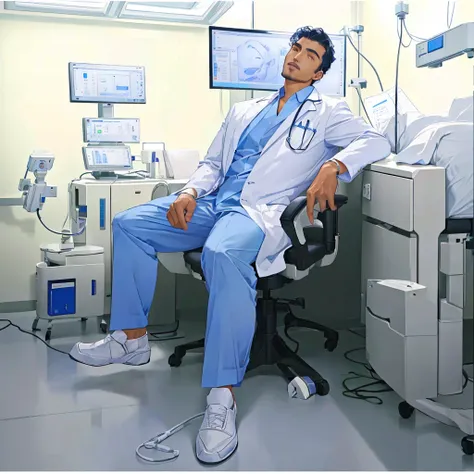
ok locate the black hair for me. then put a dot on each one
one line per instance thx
(321, 37)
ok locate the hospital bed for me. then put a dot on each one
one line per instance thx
(415, 269)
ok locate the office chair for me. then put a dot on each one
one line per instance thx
(312, 246)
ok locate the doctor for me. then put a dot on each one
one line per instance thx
(257, 164)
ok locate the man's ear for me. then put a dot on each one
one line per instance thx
(318, 75)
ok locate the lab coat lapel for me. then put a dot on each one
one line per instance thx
(284, 128)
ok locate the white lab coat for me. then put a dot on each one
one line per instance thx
(281, 174)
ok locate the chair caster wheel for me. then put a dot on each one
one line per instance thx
(322, 388)
(103, 327)
(34, 326)
(330, 344)
(405, 410)
(174, 360)
(467, 445)
(47, 336)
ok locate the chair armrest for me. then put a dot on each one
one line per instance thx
(294, 220)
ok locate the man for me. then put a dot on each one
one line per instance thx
(231, 207)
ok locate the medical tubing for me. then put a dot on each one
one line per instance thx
(67, 234)
(371, 65)
(155, 442)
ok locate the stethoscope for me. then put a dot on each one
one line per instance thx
(304, 143)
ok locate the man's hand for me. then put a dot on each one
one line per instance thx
(323, 189)
(182, 210)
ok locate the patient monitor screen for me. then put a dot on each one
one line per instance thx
(98, 130)
(107, 84)
(103, 158)
(251, 59)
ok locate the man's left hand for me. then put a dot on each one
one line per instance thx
(323, 189)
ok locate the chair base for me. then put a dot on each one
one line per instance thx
(269, 348)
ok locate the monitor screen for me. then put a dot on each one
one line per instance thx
(102, 158)
(101, 83)
(253, 60)
(99, 130)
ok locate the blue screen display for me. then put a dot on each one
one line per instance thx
(435, 44)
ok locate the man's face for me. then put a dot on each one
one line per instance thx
(303, 60)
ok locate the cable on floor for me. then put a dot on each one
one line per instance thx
(10, 323)
(361, 392)
(163, 333)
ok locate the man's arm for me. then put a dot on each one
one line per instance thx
(206, 175)
(362, 146)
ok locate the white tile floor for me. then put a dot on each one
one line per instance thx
(58, 415)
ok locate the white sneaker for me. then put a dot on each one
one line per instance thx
(114, 349)
(217, 437)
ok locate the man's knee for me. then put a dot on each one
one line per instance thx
(127, 220)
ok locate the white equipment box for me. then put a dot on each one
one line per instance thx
(98, 202)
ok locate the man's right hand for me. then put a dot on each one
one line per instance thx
(182, 210)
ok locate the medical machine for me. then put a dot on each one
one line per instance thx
(413, 286)
(106, 159)
(448, 45)
(253, 60)
(99, 130)
(93, 204)
(69, 281)
(106, 84)
(35, 194)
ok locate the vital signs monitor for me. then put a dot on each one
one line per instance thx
(254, 59)
(104, 158)
(100, 130)
(100, 83)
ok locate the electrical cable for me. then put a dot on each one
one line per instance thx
(399, 34)
(449, 21)
(163, 333)
(412, 36)
(363, 105)
(10, 323)
(362, 56)
(396, 84)
(361, 392)
(66, 234)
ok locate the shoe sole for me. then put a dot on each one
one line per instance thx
(216, 463)
(109, 363)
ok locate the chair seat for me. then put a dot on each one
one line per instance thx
(316, 252)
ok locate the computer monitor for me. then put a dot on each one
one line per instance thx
(100, 83)
(253, 60)
(101, 130)
(103, 158)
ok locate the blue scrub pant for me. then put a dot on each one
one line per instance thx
(230, 242)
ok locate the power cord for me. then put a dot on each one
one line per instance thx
(163, 333)
(10, 323)
(67, 234)
(396, 81)
(449, 21)
(361, 391)
(362, 56)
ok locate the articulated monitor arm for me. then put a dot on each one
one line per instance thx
(35, 194)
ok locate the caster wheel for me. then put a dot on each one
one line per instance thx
(330, 344)
(322, 388)
(467, 445)
(34, 327)
(405, 410)
(103, 327)
(174, 360)
(47, 336)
